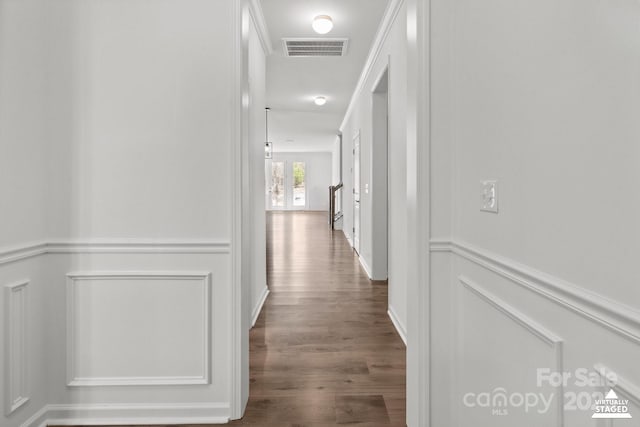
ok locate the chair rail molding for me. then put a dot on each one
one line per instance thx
(113, 246)
(610, 314)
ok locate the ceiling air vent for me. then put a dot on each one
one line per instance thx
(315, 47)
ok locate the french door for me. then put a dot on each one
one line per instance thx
(288, 185)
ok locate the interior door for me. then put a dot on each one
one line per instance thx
(356, 192)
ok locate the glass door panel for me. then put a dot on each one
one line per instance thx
(277, 185)
(299, 185)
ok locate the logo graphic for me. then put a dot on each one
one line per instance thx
(611, 407)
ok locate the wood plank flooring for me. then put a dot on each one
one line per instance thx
(323, 351)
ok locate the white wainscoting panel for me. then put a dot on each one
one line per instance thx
(16, 347)
(501, 350)
(613, 315)
(138, 328)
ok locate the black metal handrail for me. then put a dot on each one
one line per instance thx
(334, 213)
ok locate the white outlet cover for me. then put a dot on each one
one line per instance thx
(489, 196)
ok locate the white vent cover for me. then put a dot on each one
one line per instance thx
(315, 47)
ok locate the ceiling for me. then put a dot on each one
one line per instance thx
(295, 122)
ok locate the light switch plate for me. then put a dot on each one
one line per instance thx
(489, 196)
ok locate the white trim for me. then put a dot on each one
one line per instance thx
(610, 314)
(534, 328)
(113, 246)
(388, 19)
(622, 386)
(258, 308)
(418, 208)
(348, 237)
(130, 414)
(39, 419)
(74, 380)
(400, 328)
(16, 395)
(238, 345)
(145, 246)
(17, 253)
(257, 15)
(365, 266)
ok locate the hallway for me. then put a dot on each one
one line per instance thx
(323, 351)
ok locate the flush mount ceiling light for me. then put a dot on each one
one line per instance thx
(320, 100)
(322, 24)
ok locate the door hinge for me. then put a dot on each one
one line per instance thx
(354, 230)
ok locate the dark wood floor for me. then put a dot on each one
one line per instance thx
(323, 352)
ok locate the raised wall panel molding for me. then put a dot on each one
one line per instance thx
(16, 346)
(389, 17)
(75, 280)
(547, 337)
(121, 246)
(612, 315)
(622, 387)
(130, 414)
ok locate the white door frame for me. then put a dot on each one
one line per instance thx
(357, 192)
(418, 212)
(379, 177)
(418, 208)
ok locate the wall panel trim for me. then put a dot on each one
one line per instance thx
(543, 334)
(115, 246)
(73, 380)
(610, 314)
(16, 346)
(130, 414)
(623, 387)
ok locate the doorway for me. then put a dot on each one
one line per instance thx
(380, 177)
(356, 192)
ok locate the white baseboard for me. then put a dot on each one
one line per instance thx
(39, 419)
(402, 331)
(348, 237)
(258, 308)
(138, 414)
(366, 267)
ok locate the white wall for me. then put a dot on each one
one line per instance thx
(391, 54)
(257, 89)
(317, 173)
(544, 97)
(116, 127)
(24, 150)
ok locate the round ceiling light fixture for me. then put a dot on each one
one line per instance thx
(322, 24)
(320, 100)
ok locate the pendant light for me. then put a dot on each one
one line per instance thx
(268, 146)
